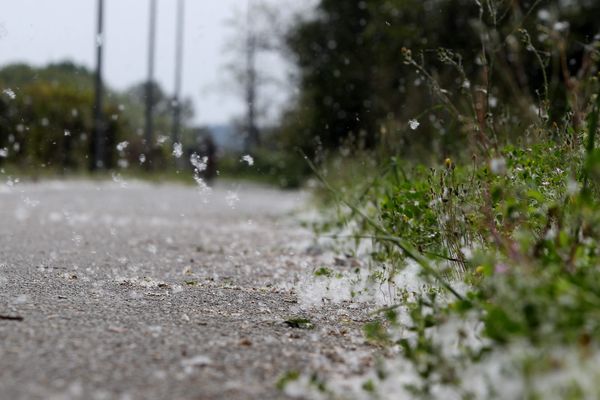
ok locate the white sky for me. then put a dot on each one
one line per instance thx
(42, 31)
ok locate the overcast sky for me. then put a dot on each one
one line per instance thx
(42, 31)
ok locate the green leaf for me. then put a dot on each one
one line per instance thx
(299, 323)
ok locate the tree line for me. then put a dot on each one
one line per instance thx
(46, 119)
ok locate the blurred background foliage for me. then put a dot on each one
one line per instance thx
(46, 119)
(363, 70)
(357, 86)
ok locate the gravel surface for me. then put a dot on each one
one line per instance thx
(111, 290)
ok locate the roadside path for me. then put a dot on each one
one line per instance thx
(111, 290)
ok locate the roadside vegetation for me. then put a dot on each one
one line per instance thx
(507, 257)
(486, 190)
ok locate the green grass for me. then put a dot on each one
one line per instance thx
(519, 232)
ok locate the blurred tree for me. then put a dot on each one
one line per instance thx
(355, 85)
(46, 118)
(257, 37)
(336, 64)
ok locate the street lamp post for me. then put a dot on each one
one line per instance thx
(252, 135)
(149, 85)
(98, 138)
(178, 71)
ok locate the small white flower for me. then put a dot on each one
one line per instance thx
(413, 124)
(177, 150)
(572, 187)
(544, 15)
(560, 26)
(551, 234)
(248, 159)
(498, 165)
(199, 163)
(122, 145)
(10, 93)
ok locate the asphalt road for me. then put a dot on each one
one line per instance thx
(114, 290)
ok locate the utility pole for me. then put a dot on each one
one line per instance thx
(149, 85)
(178, 70)
(252, 136)
(98, 137)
